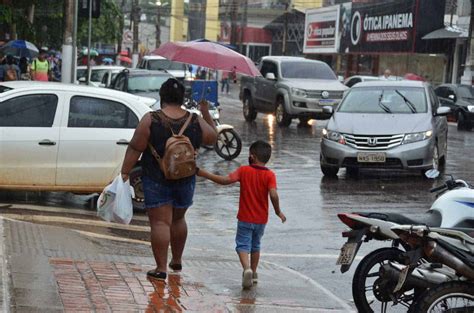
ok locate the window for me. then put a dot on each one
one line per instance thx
(307, 70)
(384, 100)
(269, 67)
(441, 92)
(119, 82)
(105, 78)
(164, 64)
(100, 113)
(29, 111)
(434, 100)
(148, 83)
(353, 81)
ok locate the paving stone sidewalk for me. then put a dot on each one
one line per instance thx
(53, 269)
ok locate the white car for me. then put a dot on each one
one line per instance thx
(101, 75)
(61, 137)
(351, 81)
(158, 63)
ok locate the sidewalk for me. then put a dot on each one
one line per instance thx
(52, 269)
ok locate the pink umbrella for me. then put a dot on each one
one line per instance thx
(125, 59)
(411, 76)
(207, 54)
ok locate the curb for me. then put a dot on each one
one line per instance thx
(5, 274)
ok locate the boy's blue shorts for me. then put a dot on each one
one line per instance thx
(248, 237)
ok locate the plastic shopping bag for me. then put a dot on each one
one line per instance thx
(115, 202)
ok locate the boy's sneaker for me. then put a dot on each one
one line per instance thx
(247, 278)
(255, 277)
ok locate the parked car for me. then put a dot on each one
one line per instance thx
(290, 87)
(158, 63)
(140, 82)
(65, 137)
(101, 75)
(351, 81)
(460, 98)
(386, 124)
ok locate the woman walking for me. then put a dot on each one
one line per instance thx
(166, 201)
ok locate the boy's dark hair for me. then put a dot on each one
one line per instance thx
(172, 91)
(262, 150)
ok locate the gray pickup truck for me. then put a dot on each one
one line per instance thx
(290, 87)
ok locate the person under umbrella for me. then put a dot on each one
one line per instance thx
(9, 71)
(40, 67)
(24, 69)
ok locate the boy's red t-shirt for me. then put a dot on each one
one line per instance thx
(255, 183)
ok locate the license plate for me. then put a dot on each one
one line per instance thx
(347, 254)
(371, 157)
(326, 102)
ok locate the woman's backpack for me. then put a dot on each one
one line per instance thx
(10, 73)
(179, 160)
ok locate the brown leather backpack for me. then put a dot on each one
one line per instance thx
(179, 159)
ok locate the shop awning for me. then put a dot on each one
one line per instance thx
(447, 32)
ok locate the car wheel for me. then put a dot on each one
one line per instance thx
(283, 119)
(249, 112)
(136, 183)
(461, 121)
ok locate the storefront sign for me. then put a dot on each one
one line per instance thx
(389, 26)
(321, 30)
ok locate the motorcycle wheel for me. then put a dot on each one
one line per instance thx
(447, 297)
(228, 144)
(366, 280)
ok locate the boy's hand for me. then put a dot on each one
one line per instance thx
(282, 217)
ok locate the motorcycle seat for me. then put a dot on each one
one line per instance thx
(431, 219)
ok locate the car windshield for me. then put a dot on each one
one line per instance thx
(394, 100)
(307, 70)
(96, 75)
(466, 92)
(147, 83)
(164, 64)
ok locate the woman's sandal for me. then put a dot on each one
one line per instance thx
(156, 275)
(175, 267)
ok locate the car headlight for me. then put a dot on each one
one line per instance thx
(470, 108)
(298, 92)
(414, 137)
(334, 136)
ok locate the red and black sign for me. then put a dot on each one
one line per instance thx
(390, 26)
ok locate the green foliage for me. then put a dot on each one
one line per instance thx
(106, 28)
(5, 14)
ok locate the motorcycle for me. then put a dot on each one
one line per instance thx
(229, 144)
(440, 262)
(451, 209)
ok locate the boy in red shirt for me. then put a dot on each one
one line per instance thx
(256, 183)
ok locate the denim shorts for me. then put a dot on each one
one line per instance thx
(248, 237)
(178, 194)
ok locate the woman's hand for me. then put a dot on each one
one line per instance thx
(203, 105)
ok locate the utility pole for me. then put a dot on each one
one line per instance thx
(466, 79)
(158, 25)
(120, 39)
(67, 48)
(285, 30)
(136, 40)
(89, 38)
(243, 25)
(233, 22)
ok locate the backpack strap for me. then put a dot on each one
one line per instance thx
(186, 124)
(154, 153)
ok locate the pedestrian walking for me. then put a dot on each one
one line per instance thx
(167, 200)
(40, 67)
(256, 183)
(387, 75)
(225, 81)
(24, 69)
(233, 74)
(9, 71)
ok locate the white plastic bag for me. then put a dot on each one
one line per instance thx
(115, 202)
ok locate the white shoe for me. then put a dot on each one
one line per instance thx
(247, 278)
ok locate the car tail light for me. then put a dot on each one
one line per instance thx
(346, 219)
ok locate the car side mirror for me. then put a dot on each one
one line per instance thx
(270, 76)
(328, 110)
(443, 111)
(452, 97)
(82, 80)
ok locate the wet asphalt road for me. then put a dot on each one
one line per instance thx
(310, 240)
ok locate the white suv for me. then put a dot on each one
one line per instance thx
(157, 63)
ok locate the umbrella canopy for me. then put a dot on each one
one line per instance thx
(208, 54)
(20, 48)
(125, 59)
(94, 52)
(411, 76)
(107, 60)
